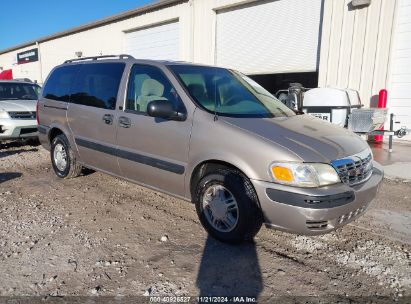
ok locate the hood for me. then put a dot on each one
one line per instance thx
(18, 105)
(310, 138)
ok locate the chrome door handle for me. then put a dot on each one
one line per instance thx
(124, 122)
(108, 119)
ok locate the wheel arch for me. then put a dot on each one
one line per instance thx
(54, 131)
(57, 129)
(207, 166)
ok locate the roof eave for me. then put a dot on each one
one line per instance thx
(115, 18)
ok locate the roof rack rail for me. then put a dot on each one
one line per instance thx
(23, 79)
(121, 56)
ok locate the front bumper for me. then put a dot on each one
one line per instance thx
(312, 211)
(17, 128)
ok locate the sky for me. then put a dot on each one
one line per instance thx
(26, 20)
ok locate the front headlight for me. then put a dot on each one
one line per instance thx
(304, 174)
(4, 114)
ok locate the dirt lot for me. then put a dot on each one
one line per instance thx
(100, 236)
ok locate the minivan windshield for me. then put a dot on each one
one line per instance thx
(18, 91)
(229, 93)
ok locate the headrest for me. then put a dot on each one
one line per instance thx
(152, 87)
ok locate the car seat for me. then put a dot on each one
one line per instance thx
(150, 90)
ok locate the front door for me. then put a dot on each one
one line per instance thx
(91, 114)
(152, 151)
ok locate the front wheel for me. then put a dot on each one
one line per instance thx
(63, 159)
(227, 206)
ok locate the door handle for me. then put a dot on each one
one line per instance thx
(124, 122)
(108, 119)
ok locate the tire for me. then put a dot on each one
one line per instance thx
(68, 169)
(243, 222)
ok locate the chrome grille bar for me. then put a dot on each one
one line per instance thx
(355, 169)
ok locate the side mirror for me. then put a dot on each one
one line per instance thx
(164, 109)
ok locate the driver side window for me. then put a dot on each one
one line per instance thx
(146, 84)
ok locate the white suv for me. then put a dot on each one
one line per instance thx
(18, 100)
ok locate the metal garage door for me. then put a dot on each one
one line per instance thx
(158, 42)
(270, 37)
(400, 89)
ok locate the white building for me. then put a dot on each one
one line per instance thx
(315, 42)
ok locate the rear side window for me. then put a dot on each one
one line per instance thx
(59, 83)
(97, 84)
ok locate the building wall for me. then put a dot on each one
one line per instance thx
(103, 40)
(355, 43)
(28, 70)
(108, 39)
(356, 46)
(197, 37)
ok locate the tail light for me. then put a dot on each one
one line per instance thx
(37, 113)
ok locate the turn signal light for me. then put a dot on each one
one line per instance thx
(282, 174)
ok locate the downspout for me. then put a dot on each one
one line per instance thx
(191, 2)
(40, 67)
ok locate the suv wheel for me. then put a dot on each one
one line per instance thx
(228, 207)
(62, 158)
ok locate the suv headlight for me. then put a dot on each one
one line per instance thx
(304, 174)
(4, 114)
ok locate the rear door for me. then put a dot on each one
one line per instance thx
(152, 151)
(91, 114)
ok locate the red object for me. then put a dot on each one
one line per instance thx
(6, 75)
(382, 104)
(37, 113)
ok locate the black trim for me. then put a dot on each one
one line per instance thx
(54, 107)
(42, 130)
(311, 201)
(94, 146)
(142, 159)
(24, 131)
(135, 112)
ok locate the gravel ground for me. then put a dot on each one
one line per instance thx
(97, 235)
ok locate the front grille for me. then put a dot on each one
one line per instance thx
(22, 115)
(355, 169)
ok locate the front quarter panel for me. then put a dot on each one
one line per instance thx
(214, 139)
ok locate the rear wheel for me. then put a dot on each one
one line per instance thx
(63, 159)
(227, 206)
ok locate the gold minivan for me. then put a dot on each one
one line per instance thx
(208, 135)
